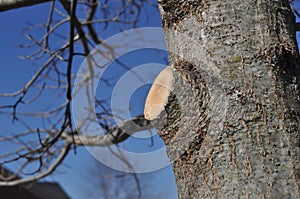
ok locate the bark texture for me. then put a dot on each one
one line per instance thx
(241, 121)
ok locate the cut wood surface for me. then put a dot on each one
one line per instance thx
(158, 95)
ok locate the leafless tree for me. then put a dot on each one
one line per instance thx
(44, 148)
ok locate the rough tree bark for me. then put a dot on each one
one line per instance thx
(245, 65)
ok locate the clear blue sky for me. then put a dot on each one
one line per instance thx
(80, 175)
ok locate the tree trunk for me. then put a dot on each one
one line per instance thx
(240, 125)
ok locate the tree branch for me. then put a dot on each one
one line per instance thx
(115, 135)
(6, 5)
(50, 170)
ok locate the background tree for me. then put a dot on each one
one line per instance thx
(70, 33)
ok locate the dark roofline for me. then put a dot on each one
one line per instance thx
(38, 189)
(7, 175)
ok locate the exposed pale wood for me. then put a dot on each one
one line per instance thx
(158, 95)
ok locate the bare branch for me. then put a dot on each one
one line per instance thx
(13, 4)
(37, 147)
(50, 170)
(115, 135)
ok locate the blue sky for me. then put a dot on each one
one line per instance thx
(80, 175)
